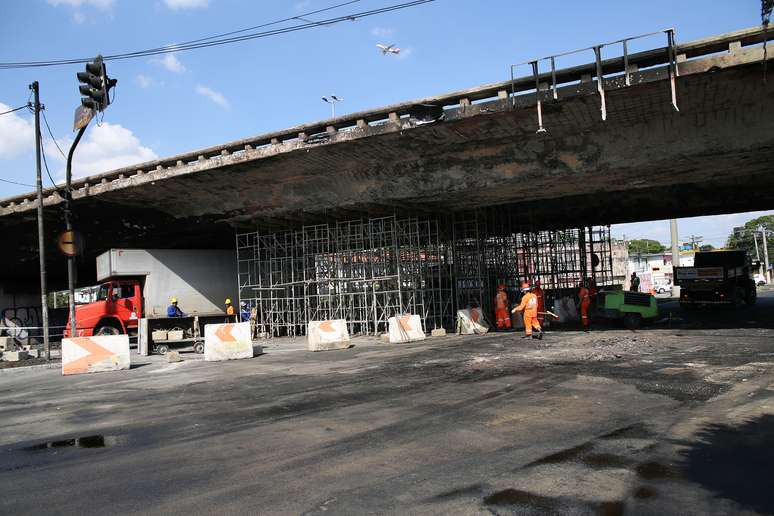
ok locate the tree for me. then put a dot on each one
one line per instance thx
(707, 247)
(645, 246)
(742, 238)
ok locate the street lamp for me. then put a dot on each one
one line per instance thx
(332, 100)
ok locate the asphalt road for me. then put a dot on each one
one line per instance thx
(675, 418)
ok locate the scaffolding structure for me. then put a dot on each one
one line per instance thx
(361, 271)
(366, 271)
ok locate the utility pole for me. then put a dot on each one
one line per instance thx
(766, 254)
(41, 239)
(675, 245)
(757, 253)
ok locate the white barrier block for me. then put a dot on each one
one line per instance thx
(405, 328)
(227, 342)
(327, 335)
(95, 354)
(471, 321)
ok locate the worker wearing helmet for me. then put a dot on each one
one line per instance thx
(173, 310)
(244, 311)
(230, 312)
(501, 309)
(529, 305)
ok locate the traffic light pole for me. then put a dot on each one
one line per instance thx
(69, 227)
(41, 239)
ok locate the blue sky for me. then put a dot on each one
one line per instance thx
(206, 97)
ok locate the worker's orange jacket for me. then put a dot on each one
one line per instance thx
(501, 300)
(583, 294)
(528, 305)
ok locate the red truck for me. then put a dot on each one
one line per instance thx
(138, 283)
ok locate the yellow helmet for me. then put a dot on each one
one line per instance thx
(174, 300)
(228, 300)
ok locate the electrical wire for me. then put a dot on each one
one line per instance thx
(16, 183)
(219, 40)
(45, 162)
(16, 109)
(43, 112)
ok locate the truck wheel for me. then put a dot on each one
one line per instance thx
(632, 321)
(108, 328)
(198, 348)
(162, 349)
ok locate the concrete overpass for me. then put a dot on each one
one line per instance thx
(463, 150)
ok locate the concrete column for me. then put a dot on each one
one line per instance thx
(675, 255)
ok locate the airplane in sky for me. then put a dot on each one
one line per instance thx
(388, 49)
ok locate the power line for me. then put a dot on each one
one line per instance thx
(16, 109)
(220, 40)
(42, 112)
(45, 162)
(16, 183)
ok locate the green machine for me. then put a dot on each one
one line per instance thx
(632, 307)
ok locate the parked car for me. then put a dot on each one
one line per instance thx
(663, 288)
(759, 279)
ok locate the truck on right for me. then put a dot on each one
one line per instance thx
(717, 278)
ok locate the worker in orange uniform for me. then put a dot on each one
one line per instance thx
(584, 298)
(529, 305)
(501, 309)
(541, 302)
(230, 312)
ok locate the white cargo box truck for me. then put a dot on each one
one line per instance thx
(136, 287)
(200, 279)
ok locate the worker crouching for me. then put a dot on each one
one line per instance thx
(501, 309)
(529, 306)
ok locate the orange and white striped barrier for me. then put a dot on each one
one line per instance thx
(405, 328)
(82, 355)
(471, 321)
(227, 342)
(327, 335)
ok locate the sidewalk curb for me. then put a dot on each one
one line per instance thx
(53, 365)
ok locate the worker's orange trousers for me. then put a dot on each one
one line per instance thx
(530, 322)
(503, 319)
(585, 313)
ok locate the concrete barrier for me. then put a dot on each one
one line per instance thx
(227, 342)
(327, 335)
(405, 328)
(95, 354)
(471, 321)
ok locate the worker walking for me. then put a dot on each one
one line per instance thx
(173, 310)
(529, 305)
(584, 298)
(501, 309)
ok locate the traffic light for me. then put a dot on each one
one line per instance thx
(96, 85)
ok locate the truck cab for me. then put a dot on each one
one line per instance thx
(116, 310)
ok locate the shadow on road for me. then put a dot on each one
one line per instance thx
(734, 462)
